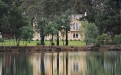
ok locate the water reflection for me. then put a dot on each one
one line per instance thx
(61, 63)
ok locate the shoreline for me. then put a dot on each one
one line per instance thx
(42, 48)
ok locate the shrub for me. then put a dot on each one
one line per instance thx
(38, 43)
(117, 39)
(78, 39)
(37, 39)
(52, 43)
(70, 39)
(102, 39)
(1, 40)
(75, 40)
(72, 46)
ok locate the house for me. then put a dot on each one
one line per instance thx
(73, 34)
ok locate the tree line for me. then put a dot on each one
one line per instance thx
(18, 16)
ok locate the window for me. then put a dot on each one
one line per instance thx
(75, 35)
(75, 26)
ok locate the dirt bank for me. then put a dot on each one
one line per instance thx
(41, 48)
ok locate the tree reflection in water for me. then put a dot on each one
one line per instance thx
(42, 64)
(61, 63)
(16, 64)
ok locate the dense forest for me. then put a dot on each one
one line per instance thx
(18, 16)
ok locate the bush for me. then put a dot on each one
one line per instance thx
(52, 43)
(78, 39)
(72, 46)
(1, 40)
(117, 39)
(38, 43)
(103, 39)
(75, 40)
(70, 39)
(98, 44)
(37, 39)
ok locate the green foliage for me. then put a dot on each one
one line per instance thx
(75, 40)
(90, 31)
(27, 32)
(38, 43)
(70, 39)
(103, 39)
(52, 43)
(117, 39)
(1, 40)
(72, 46)
(4, 22)
(37, 39)
(50, 29)
(42, 22)
(5, 25)
(3, 8)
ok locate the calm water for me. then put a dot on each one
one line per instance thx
(61, 63)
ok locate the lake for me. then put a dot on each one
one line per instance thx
(61, 63)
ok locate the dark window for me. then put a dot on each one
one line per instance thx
(73, 35)
(76, 35)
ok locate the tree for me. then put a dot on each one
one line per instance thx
(15, 20)
(33, 8)
(41, 24)
(59, 23)
(50, 29)
(4, 23)
(27, 33)
(5, 26)
(117, 39)
(90, 32)
(3, 8)
(63, 33)
(66, 19)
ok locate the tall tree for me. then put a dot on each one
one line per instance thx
(50, 30)
(15, 18)
(90, 32)
(66, 22)
(4, 23)
(33, 8)
(27, 33)
(41, 24)
(58, 21)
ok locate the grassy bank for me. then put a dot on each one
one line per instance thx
(47, 43)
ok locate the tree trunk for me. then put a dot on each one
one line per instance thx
(18, 42)
(66, 37)
(52, 38)
(14, 38)
(58, 39)
(120, 22)
(32, 21)
(42, 39)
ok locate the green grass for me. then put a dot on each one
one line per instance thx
(47, 43)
